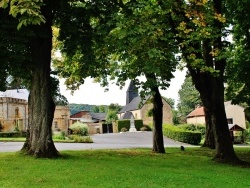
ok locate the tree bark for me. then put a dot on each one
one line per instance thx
(209, 135)
(39, 141)
(158, 141)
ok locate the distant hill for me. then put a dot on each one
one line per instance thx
(74, 108)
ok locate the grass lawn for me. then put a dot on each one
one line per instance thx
(123, 168)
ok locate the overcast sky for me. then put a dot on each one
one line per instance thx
(92, 93)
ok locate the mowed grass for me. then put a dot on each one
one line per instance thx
(123, 168)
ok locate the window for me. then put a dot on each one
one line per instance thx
(56, 125)
(230, 120)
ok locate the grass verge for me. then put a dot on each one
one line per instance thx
(124, 168)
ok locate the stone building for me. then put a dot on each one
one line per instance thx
(14, 112)
(140, 109)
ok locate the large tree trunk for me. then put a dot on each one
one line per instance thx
(209, 135)
(39, 141)
(158, 141)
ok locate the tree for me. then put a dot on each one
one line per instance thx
(189, 98)
(238, 64)
(199, 27)
(34, 65)
(142, 46)
(130, 39)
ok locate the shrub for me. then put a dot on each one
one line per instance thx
(60, 136)
(146, 128)
(124, 129)
(79, 129)
(126, 123)
(181, 135)
(81, 139)
(191, 127)
(9, 134)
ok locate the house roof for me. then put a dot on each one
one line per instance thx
(99, 116)
(16, 93)
(199, 111)
(134, 104)
(235, 127)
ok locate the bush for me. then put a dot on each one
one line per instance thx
(81, 139)
(181, 135)
(11, 134)
(146, 128)
(79, 129)
(126, 124)
(191, 127)
(124, 129)
(60, 136)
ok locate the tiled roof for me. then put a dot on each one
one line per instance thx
(134, 104)
(199, 111)
(99, 116)
(16, 93)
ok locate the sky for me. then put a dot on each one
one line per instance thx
(93, 94)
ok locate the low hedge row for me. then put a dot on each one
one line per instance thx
(12, 134)
(126, 124)
(181, 135)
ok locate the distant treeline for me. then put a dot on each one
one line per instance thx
(74, 108)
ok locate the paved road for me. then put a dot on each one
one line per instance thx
(104, 141)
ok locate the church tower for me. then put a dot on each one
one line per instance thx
(131, 92)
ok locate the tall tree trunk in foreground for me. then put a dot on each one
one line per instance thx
(39, 141)
(158, 142)
(209, 135)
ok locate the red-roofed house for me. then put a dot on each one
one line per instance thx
(235, 115)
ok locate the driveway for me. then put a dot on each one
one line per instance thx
(104, 141)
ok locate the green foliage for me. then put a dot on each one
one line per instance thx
(189, 97)
(11, 134)
(81, 139)
(28, 12)
(126, 124)
(60, 136)
(191, 127)
(79, 129)
(178, 134)
(74, 108)
(111, 116)
(170, 101)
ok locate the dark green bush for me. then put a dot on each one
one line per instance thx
(181, 135)
(12, 134)
(126, 124)
(191, 127)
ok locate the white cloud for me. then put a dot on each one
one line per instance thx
(93, 93)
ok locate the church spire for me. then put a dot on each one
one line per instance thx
(131, 92)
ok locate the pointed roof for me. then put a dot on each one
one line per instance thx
(131, 92)
(199, 111)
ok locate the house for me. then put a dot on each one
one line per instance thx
(235, 115)
(14, 112)
(94, 121)
(140, 109)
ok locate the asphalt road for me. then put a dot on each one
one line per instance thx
(104, 141)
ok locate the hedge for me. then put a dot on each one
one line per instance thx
(178, 134)
(126, 123)
(12, 134)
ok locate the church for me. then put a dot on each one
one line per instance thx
(139, 109)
